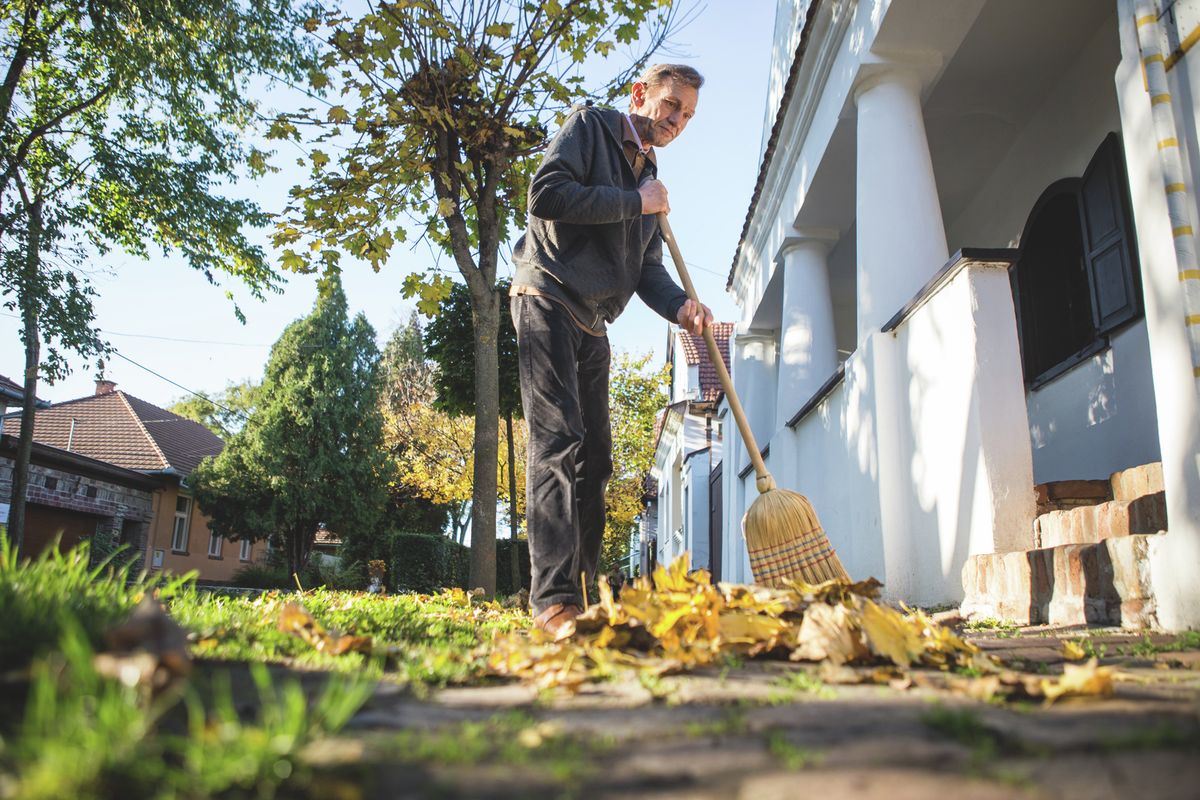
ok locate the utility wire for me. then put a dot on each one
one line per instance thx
(180, 385)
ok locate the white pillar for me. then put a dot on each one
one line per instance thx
(754, 378)
(807, 344)
(901, 237)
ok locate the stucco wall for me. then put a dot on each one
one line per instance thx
(196, 557)
(1099, 417)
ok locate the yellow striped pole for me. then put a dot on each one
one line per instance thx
(1155, 71)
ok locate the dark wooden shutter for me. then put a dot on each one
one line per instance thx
(715, 516)
(1108, 239)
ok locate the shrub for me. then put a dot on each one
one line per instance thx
(263, 575)
(504, 566)
(424, 563)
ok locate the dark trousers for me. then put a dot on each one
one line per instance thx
(564, 392)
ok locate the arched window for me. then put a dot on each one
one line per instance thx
(1076, 278)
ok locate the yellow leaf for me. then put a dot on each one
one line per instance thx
(828, 633)
(1080, 680)
(446, 207)
(889, 634)
(1072, 651)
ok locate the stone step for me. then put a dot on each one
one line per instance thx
(1061, 495)
(1106, 583)
(1090, 524)
(1135, 482)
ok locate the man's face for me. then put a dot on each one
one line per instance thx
(669, 106)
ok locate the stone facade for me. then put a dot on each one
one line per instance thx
(121, 512)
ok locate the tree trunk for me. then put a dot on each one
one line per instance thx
(29, 331)
(514, 559)
(486, 315)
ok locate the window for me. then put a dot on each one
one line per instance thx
(179, 537)
(244, 552)
(1076, 278)
(214, 546)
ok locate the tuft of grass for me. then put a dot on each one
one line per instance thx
(42, 597)
(1148, 648)
(803, 683)
(790, 755)
(511, 739)
(87, 736)
(1164, 736)
(732, 723)
(1001, 629)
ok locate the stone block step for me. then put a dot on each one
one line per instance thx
(1090, 524)
(1060, 495)
(1135, 482)
(1106, 583)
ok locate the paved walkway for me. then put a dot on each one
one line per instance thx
(767, 730)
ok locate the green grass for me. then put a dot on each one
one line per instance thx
(511, 740)
(1001, 629)
(421, 641)
(86, 736)
(40, 598)
(800, 682)
(790, 755)
(1148, 648)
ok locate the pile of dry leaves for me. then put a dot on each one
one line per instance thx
(676, 621)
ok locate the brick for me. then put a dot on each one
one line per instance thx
(1135, 482)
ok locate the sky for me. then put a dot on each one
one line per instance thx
(173, 331)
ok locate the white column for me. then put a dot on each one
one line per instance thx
(754, 377)
(807, 345)
(901, 237)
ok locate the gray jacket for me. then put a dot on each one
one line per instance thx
(588, 243)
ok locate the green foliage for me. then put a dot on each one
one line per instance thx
(311, 452)
(424, 563)
(86, 736)
(637, 394)
(41, 598)
(789, 754)
(223, 413)
(118, 124)
(450, 344)
(442, 110)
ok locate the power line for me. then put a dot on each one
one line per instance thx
(179, 385)
(165, 338)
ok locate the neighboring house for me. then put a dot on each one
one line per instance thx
(686, 449)
(123, 431)
(13, 394)
(968, 268)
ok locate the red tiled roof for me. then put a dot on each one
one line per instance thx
(120, 429)
(696, 353)
(327, 537)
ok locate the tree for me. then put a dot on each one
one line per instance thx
(407, 379)
(637, 397)
(119, 122)
(312, 450)
(444, 109)
(223, 413)
(450, 343)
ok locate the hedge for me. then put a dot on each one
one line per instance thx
(425, 563)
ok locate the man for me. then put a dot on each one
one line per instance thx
(592, 242)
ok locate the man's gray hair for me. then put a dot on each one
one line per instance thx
(658, 73)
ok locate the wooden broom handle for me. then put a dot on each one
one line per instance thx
(764, 480)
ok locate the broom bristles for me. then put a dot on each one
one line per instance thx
(786, 541)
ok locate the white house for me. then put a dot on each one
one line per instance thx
(688, 448)
(968, 269)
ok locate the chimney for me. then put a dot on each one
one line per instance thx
(104, 386)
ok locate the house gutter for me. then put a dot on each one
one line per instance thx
(1154, 67)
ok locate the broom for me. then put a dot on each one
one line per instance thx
(783, 534)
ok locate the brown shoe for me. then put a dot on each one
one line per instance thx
(558, 620)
